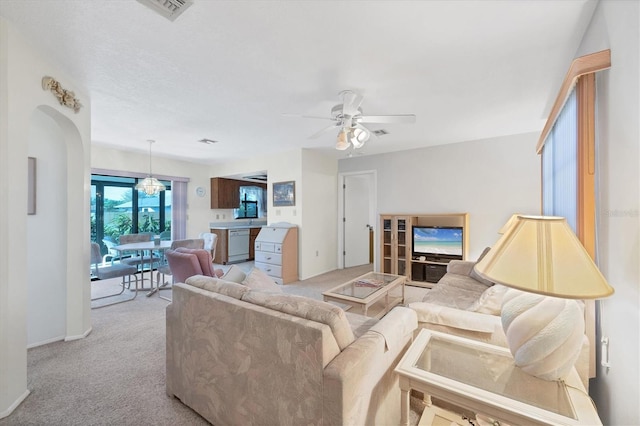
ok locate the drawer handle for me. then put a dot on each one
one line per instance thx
(269, 270)
(268, 257)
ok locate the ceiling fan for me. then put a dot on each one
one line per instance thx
(348, 118)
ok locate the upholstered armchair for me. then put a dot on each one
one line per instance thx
(185, 263)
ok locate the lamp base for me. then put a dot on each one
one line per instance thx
(544, 333)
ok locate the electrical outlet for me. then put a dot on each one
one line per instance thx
(217, 217)
(277, 212)
(224, 216)
(294, 212)
(317, 253)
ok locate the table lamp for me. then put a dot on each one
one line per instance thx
(542, 257)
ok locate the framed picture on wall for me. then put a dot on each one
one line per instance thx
(284, 193)
(31, 186)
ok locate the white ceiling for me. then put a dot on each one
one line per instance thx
(227, 70)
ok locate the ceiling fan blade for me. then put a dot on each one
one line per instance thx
(326, 129)
(351, 103)
(286, 114)
(399, 118)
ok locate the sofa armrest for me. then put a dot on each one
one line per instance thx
(460, 267)
(457, 318)
(360, 384)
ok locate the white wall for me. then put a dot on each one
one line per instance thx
(489, 179)
(319, 219)
(199, 208)
(46, 234)
(21, 93)
(615, 25)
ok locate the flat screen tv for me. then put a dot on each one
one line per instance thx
(437, 241)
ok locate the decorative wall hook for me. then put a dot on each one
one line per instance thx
(65, 97)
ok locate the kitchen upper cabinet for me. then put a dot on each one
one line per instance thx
(225, 193)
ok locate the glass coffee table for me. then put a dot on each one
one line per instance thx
(483, 379)
(374, 293)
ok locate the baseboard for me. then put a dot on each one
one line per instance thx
(15, 404)
(45, 342)
(78, 337)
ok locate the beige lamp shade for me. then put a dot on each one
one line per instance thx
(509, 223)
(541, 254)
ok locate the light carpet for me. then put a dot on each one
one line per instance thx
(116, 375)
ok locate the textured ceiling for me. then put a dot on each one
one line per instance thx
(228, 70)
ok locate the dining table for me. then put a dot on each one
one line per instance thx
(140, 248)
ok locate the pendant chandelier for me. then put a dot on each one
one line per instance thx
(150, 185)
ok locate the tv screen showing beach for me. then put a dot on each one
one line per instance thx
(447, 241)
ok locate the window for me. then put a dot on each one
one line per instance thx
(251, 203)
(567, 145)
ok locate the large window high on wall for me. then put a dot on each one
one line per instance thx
(117, 209)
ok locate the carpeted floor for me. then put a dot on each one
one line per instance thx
(116, 375)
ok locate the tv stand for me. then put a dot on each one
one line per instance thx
(396, 246)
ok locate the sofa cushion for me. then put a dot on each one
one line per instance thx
(304, 307)
(490, 301)
(216, 285)
(455, 291)
(257, 279)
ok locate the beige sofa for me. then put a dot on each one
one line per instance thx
(241, 356)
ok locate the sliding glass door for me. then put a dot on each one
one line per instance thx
(117, 209)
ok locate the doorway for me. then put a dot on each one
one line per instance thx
(357, 195)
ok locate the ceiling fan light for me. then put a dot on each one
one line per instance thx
(342, 143)
(358, 137)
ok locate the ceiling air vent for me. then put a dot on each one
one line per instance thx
(207, 141)
(380, 132)
(170, 9)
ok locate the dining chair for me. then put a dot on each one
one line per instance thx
(210, 242)
(113, 271)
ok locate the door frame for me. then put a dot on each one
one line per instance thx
(373, 204)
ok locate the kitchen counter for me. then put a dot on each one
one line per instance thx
(235, 246)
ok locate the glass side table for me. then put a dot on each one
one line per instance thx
(483, 378)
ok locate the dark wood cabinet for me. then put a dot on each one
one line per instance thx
(225, 193)
(253, 233)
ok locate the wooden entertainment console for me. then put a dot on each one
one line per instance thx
(397, 254)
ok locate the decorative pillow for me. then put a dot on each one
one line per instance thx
(477, 276)
(304, 307)
(234, 274)
(258, 280)
(490, 302)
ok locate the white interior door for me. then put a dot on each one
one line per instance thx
(356, 222)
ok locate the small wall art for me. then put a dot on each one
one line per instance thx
(284, 193)
(31, 186)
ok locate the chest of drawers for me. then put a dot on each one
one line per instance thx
(276, 252)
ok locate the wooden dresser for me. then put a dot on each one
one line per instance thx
(276, 252)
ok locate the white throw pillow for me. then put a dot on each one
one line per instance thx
(258, 280)
(490, 301)
(234, 274)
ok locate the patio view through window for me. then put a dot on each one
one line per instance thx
(117, 209)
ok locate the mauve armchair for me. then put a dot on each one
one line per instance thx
(185, 263)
